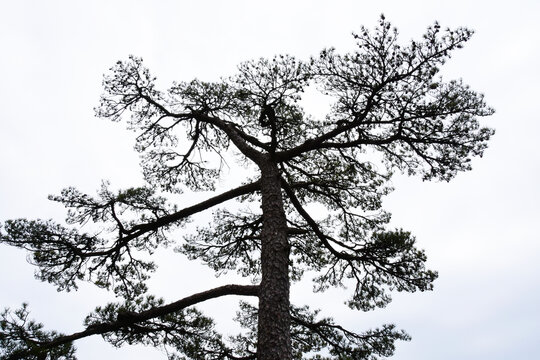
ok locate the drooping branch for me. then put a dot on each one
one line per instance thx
(386, 260)
(313, 224)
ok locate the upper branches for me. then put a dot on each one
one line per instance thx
(388, 98)
(269, 92)
(180, 132)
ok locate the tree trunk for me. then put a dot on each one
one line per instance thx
(274, 340)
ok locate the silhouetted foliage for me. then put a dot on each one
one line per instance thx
(391, 111)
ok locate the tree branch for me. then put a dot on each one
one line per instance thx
(324, 238)
(237, 136)
(141, 229)
(129, 319)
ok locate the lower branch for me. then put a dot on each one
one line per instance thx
(128, 319)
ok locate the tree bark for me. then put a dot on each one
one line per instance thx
(274, 341)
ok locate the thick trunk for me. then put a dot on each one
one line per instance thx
(274, 342)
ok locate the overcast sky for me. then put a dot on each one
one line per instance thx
(479, 231)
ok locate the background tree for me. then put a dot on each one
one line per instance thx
(390, 112)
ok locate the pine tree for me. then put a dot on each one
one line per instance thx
(391, 111)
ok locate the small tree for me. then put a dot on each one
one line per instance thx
(390, 111)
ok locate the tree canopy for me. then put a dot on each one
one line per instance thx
(391, 111)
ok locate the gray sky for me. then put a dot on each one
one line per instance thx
(479, 231)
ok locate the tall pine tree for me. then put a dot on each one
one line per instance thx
(391, 111)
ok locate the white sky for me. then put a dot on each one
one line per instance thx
(479, 231)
